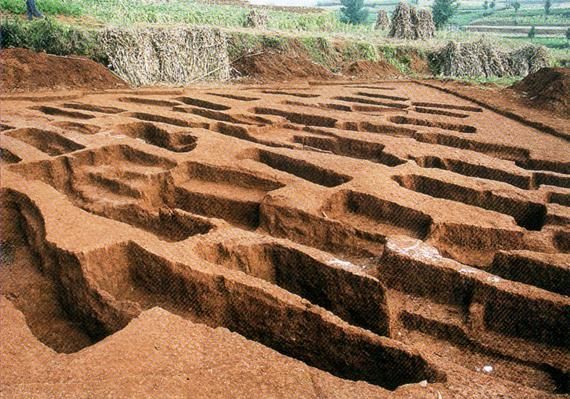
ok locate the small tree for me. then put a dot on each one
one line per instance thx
(516, 6)
(532, 32)
(547, 5)
(486, 5)
(492, 5)
(353, 11)
(442, 11)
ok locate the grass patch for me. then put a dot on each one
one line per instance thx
(48, 7)
(50, 36)
(398, 57)
(525, 17)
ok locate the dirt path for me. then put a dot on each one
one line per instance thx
(385, 232)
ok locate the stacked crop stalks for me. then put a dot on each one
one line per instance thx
(257, 19)
(411, 24)
(483, 58)
(424, 25)
(382, 21)
(167, 56)
(402, 22)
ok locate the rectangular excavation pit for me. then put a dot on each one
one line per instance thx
(224, 193)
(170, 225)
(4, 127)
(235, 97)
(120, 183)
(220, 116)
(368, 101)
(203, 104)
(527, 214)
(354, 297)
(156, 136)
(377, 215)
(405, 120)
(167, 119)
(49, 142)
(351, 148)
(448, 106)
(551, 179)
(382, 96)
(288, 93)
(297, 117)
(254, 309)
(507, 308)
(30, 270)
(149, 101)
(423, 110)
(94, 108)
(61, 112)
(300, 168)
(547, 271)
(82, 128)
(7, 157)
(511, 153)
(475, 170)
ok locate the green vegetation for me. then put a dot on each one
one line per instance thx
(129, 12)
(52, 37)
(49, 7)
(558, 43)
(322, 36)
(353, 11)
(512, 16)
(442, 11)
(532, 32)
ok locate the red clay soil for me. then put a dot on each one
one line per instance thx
(275, 67)
(23, 70)
(322, 240)
(371, 70)
(510, 103)
(548, 88)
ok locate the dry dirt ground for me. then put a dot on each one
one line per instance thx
(282, 242)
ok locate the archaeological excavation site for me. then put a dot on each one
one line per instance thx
(280, 230)
(347, 239)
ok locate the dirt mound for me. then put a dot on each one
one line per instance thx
(371, 70)
(25, 70)
(274, 66)
(548, 88)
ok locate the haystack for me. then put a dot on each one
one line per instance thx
(424, 25)
(402, 23)
(257, 19)
(382, 21)
(484, 59)
(168, 56)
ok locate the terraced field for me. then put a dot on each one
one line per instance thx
(387, 232)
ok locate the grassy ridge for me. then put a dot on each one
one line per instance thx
(128, 12)
(535, 16)
(49, 7)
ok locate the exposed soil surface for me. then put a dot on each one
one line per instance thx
(25, 70)
(371, 70)
(549, 88)
(316, 240)
(271, 67)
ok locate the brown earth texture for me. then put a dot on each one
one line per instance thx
(318, 239)
(25, 70)
(548, 88)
